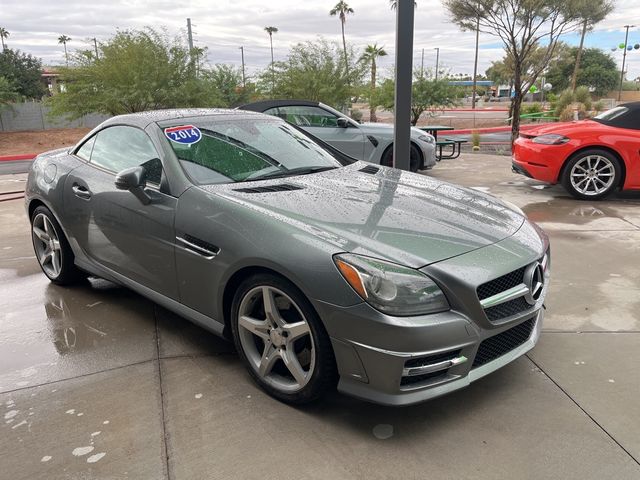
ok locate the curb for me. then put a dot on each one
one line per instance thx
(13, 158)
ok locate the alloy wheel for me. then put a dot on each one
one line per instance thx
(276, 338)
(47, 245)
(592, 175)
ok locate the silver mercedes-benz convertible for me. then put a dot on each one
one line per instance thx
(323, 270)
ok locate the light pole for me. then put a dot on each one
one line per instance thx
(244, 79)
(624, 58)
(437, 49)
(475, 67)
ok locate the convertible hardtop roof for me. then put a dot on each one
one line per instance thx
(267, 104)
(143, 119)
(629, 119)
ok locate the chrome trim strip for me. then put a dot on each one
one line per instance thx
(507, 295)
(434, 367)
(208, 254)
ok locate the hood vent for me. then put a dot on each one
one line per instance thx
(370, 169)
(284, 187)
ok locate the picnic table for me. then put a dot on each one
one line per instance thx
(455, 145)
(434, 129)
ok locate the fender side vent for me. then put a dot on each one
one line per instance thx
(373, 140)
(284, 187)
(370, 169)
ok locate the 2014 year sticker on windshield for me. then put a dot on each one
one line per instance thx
(184, 134)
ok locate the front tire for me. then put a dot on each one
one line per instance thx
(52, 249)
(415, 158)
(281, 340)
(592, 174)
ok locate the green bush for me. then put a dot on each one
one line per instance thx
(475, 140)
(583, 96)
(565, 99)
(532, 108)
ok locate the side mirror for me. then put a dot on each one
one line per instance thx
(342, 122)
(133, 180)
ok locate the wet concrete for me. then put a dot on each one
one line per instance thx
(96, 369)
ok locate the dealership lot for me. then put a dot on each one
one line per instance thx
(97, 382)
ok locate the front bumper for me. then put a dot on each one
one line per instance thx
(379, 374)
(405, 360)
(428, 154)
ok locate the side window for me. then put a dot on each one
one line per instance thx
(120, 147)
(84, 151)
(305, 116)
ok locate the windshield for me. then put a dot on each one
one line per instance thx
(240, 150)
(610, 115)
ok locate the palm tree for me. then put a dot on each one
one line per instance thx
(371, 53)
(271, 31)
(394, 4)
(595, 11)
(64, 39)
(3, 34)
(342, 10)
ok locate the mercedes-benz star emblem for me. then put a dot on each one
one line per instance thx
(534, 280)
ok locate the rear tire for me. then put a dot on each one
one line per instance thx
(52, 249)
(592, 174)
(281, 340)
(415, 158)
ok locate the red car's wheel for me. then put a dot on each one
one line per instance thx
(592, 174)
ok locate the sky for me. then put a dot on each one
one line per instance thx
(224, 25)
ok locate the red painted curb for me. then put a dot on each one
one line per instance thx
(13, 158)
(507, 128)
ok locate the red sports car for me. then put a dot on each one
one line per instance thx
(591, 158)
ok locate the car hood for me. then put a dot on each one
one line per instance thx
(403, 217)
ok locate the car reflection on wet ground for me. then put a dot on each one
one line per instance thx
(98, 382)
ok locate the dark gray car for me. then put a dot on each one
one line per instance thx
(323, 270)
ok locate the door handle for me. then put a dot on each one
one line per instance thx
(81, 192)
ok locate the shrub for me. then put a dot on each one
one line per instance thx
(532, 108)
(566, 115)
(564, 100)
(598, 106)
(583, 96)
(475, 140)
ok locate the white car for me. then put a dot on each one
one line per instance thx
(371, 142)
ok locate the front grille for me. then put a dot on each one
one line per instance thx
(504, 342)
(501, 284)
(506, 309)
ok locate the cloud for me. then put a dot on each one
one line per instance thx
(224, 25)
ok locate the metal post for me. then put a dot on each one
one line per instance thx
(475, 68)
(244, 78)
(189, 35)
(624, 58)
(437, 60)
(95, 45)
(422, 65)
(404, 70)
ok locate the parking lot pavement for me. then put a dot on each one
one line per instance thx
(97, 382)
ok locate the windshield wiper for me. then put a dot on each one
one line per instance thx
(291, 172)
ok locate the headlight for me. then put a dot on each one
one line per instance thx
(551, 139)
(427, 138)
(391, 288)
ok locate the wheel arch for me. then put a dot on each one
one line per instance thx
(390, 146)
(614, 152)
(234, 281)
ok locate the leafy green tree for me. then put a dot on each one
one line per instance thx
(224, 83)
(24, 72)
(342, 10)
(427, 95)
(3, 35)
(591, 13)
(63, 39)
(522, 26)
(315, 71)
(598, 70)
(8, 91)
(136, 71)
(369, 57)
